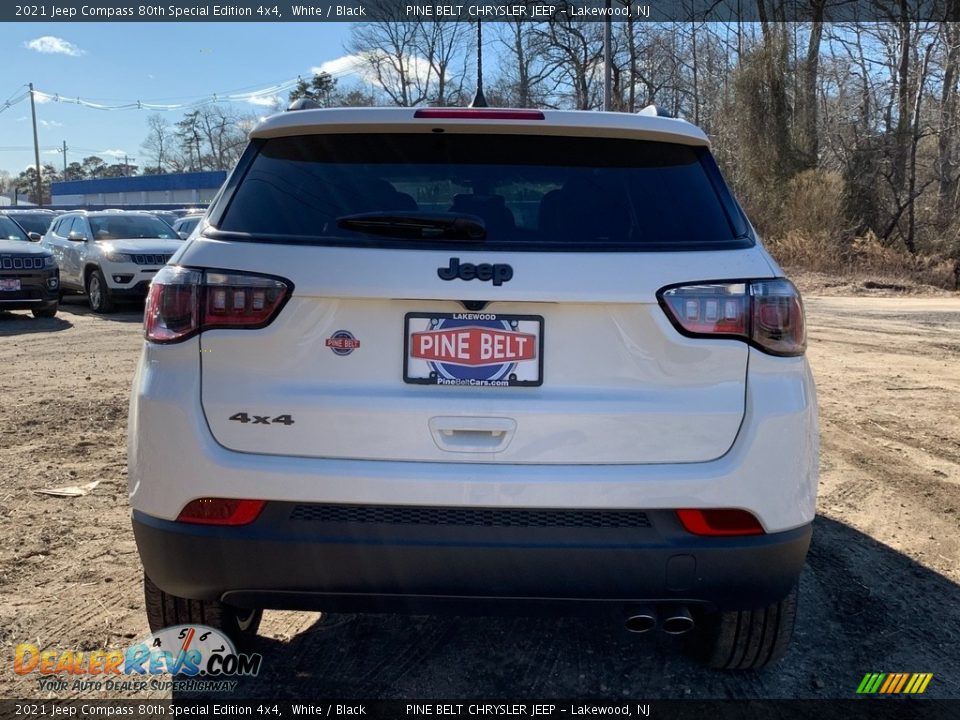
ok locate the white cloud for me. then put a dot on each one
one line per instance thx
(417, 67)
(50, 123)
(112, 153)
(41, 98)
(22, 118)
(271, 101)
(344, 65)
(51, 44)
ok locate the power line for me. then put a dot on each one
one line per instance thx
(10, 103)
(145, 105)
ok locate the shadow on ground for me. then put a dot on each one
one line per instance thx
(125, 312)
(24, 323)
(864, 608)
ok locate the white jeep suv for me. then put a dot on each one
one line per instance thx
(425, 359)
(110, 255)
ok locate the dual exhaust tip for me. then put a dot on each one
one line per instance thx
(673, 620)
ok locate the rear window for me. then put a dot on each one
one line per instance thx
(536, 192)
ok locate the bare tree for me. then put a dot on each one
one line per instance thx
(947, 174)
(412, 61)
(159, 140)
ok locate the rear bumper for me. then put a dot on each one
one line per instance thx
(771, 470)
(369, 559)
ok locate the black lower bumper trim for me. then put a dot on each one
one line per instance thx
(346, 565)
(139, 290)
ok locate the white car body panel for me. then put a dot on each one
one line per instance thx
(771, 469)
(613, 398)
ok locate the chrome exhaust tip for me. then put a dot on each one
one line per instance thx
(677, 620)
(643, 620)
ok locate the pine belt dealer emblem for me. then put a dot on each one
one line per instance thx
(342, 342)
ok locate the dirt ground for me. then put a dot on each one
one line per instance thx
(880, 592)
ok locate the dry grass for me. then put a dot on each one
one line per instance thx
(865, 258)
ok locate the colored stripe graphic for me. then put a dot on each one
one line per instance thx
(894, 683)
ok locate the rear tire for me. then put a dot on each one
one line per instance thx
(747, 639)
(165, 610)
(98, 294)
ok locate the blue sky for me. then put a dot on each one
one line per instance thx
(167, 63)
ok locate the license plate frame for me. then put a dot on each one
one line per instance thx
(10, 285)
(513, 331)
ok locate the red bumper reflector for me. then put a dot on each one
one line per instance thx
(720, 522)
(220, 511)
(476, 114)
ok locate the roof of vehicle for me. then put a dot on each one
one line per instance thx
(32, 211)
(547, 122)
(108, 213)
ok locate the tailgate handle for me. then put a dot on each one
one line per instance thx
(472, 434)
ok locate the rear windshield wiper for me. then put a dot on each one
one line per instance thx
(417, 225)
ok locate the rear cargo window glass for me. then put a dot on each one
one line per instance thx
(537, 191)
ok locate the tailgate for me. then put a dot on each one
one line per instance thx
(376, 357)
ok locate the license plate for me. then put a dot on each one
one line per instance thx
(477, 349)
(9, 284)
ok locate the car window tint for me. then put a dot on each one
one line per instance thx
(9, 230)
(33, 223)
(129, 227)
(544, 190)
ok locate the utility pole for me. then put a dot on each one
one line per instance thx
(64, 159)
(126, 164)
(607, 69)
(36, 149)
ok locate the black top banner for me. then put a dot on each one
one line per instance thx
(516, 11)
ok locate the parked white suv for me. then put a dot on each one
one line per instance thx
(110, 255)
(439, 358)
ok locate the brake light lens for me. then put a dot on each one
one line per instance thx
(720, 522)
(477, 114)
(766, 313)
(221, 511)
(183, 302)
(171, 309)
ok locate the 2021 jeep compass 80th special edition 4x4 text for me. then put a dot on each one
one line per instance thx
(459, 358)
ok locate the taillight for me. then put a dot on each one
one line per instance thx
(220, 511)
(477, 114)
(720, 522)
(766, 313)
(183, 302)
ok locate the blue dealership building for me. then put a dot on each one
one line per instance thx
(181, 189)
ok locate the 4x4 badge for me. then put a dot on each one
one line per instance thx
(499, 273)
